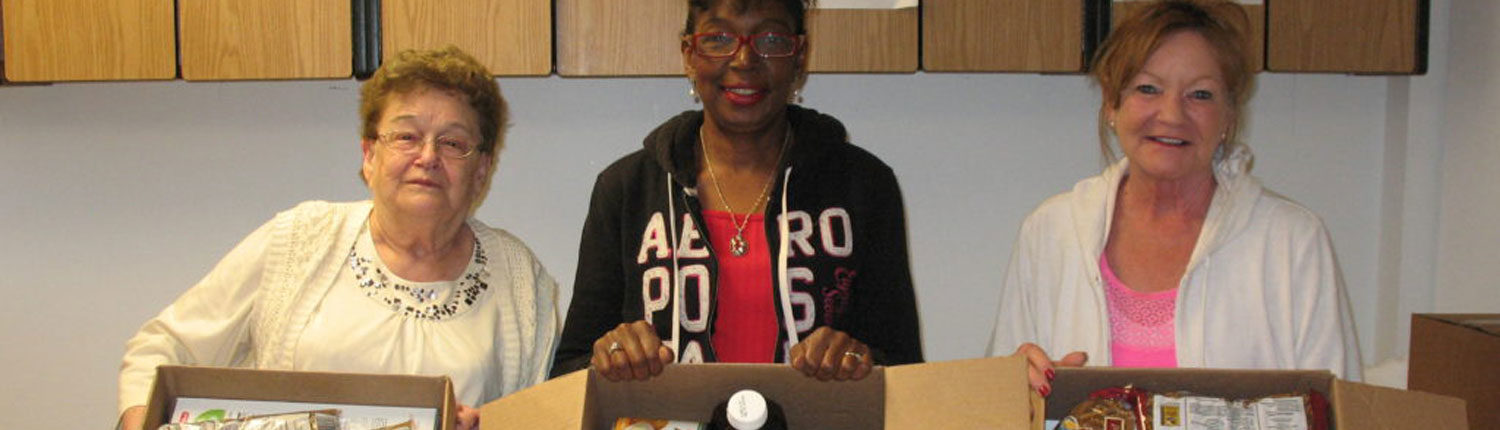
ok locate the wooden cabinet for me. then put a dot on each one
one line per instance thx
(2, 45)
(265, 39)
(510, 37)
(863, 40)
(1347, 36)
(1255, 13)
(1003, 35)
(88, 40)
(620, 38)
(644, 38)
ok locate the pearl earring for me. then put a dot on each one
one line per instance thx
(693, 92)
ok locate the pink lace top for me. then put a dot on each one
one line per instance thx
(1140, 324)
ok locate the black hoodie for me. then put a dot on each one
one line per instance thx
(845, 256)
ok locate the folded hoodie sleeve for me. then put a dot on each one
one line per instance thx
(884, 312)
(1325, 324)
(208, 325)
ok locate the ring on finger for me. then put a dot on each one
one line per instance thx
(614, 346)
(856, 355)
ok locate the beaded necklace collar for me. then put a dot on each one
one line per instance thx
(378, 283)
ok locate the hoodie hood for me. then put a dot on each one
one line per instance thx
(673, 145)
(1228, 213)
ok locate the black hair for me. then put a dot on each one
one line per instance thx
(797, 8)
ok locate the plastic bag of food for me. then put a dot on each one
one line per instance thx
(1115, 408)
(309, 420)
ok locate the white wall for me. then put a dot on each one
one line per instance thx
(1470, 240)
(118, 196)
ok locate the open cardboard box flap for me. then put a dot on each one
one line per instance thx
(1364, 406)
(957, 394)
(173, 382)
(966, 394)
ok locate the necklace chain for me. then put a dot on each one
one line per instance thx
(737, 244)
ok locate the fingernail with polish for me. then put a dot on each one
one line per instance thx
(1051, 374)
(1045, 390)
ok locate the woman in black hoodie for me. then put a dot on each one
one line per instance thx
(750, 231)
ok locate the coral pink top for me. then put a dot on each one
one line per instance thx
(1142, 333)
(744, 329)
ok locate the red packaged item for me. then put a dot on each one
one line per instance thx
(1114, 408)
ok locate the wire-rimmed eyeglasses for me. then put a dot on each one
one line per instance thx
(448, 146)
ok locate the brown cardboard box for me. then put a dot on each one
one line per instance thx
(976, 394)
(173, 382)
(1456, 355)
(1353, 405)
(987, 393)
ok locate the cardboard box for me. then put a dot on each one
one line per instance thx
(1353, 405)
(990, 393)
(174, 382)
(978, 394)
(1455, 355)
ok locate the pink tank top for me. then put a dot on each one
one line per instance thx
(1141, 325)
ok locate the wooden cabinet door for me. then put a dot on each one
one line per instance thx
(1347, 36)
(1003, 35)
(510, 37)
(88, 40)
(644, 38)
(620, 37)
(1255, 13)
(265, 39)
(863, 40)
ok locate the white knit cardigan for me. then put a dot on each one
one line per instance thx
(251, 309)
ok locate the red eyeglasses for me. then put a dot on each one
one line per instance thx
(768, 45)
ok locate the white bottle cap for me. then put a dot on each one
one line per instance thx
(747, 410)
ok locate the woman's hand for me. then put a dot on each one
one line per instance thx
(132, 419)
(831, 354)
(468, 418)
(1040, 372)
(630, 352)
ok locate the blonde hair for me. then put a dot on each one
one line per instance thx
(1132, 42)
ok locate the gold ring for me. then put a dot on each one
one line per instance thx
(614, 346)
(856, 355)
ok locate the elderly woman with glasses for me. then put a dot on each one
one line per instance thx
(405, 283)
(750, 231)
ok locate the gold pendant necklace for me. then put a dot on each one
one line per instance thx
(737, 245)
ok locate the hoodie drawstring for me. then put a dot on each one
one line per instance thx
(676, 291)
(783, 281)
